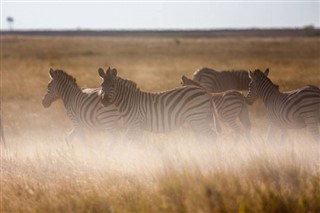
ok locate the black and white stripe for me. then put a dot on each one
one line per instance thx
(231, 107)
(83, 106)
(220, 81)
(159, 112)
(287, 110)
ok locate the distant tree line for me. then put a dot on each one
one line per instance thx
(310, 30)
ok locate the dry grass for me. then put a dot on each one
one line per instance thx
(162, 177)
(165, 173)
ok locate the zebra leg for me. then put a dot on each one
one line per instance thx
(235, 127)
(203, 130)
(270, 133)
(76, 133)
(2, 139)
(312, 126)
(284, 135)
(135, 133)
(70, 137)
(245, 120)
(116, 136)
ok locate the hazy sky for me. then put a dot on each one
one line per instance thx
(158, 15)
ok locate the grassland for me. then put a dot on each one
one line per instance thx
(167, 172)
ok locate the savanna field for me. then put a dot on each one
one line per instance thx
(170, 172)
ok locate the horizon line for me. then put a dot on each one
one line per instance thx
(161, 29)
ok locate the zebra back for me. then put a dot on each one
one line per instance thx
(216, 81)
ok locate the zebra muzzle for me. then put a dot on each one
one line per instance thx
(45, 104)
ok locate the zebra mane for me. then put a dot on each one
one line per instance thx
(62, 74)
(128, 83)
(206, 69)
(239, 72)
(236, 71)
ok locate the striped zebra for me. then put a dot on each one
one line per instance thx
(286, 110)
(215, 81)
(159, 112)
(230, 105)
(83, 106)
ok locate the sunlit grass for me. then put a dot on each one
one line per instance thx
(166, 172)
(164, 176)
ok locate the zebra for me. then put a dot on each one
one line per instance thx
(159, 112)
(83, 106)
(215, 81)
(230, 105)
(286, 110)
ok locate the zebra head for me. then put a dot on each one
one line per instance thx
(185, 81)
(52, 94)
(256, 77)
(108, 85)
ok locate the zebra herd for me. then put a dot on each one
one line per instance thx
(202, 102)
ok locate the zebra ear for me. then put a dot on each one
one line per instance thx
(101, 72)
(114, 72)
(51, 71)
(184, 78)
(266, 72)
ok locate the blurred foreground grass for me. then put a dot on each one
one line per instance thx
(162, 176)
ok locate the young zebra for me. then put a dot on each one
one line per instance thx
(215, 81)
(289, 110)
(159, 112)
(83, 106)
(230, 106)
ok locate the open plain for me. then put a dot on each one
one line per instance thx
(170, 172)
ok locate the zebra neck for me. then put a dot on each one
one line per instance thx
(70, 95)
(268, 94)
(126, 97)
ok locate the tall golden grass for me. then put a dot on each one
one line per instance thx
(166, 172)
